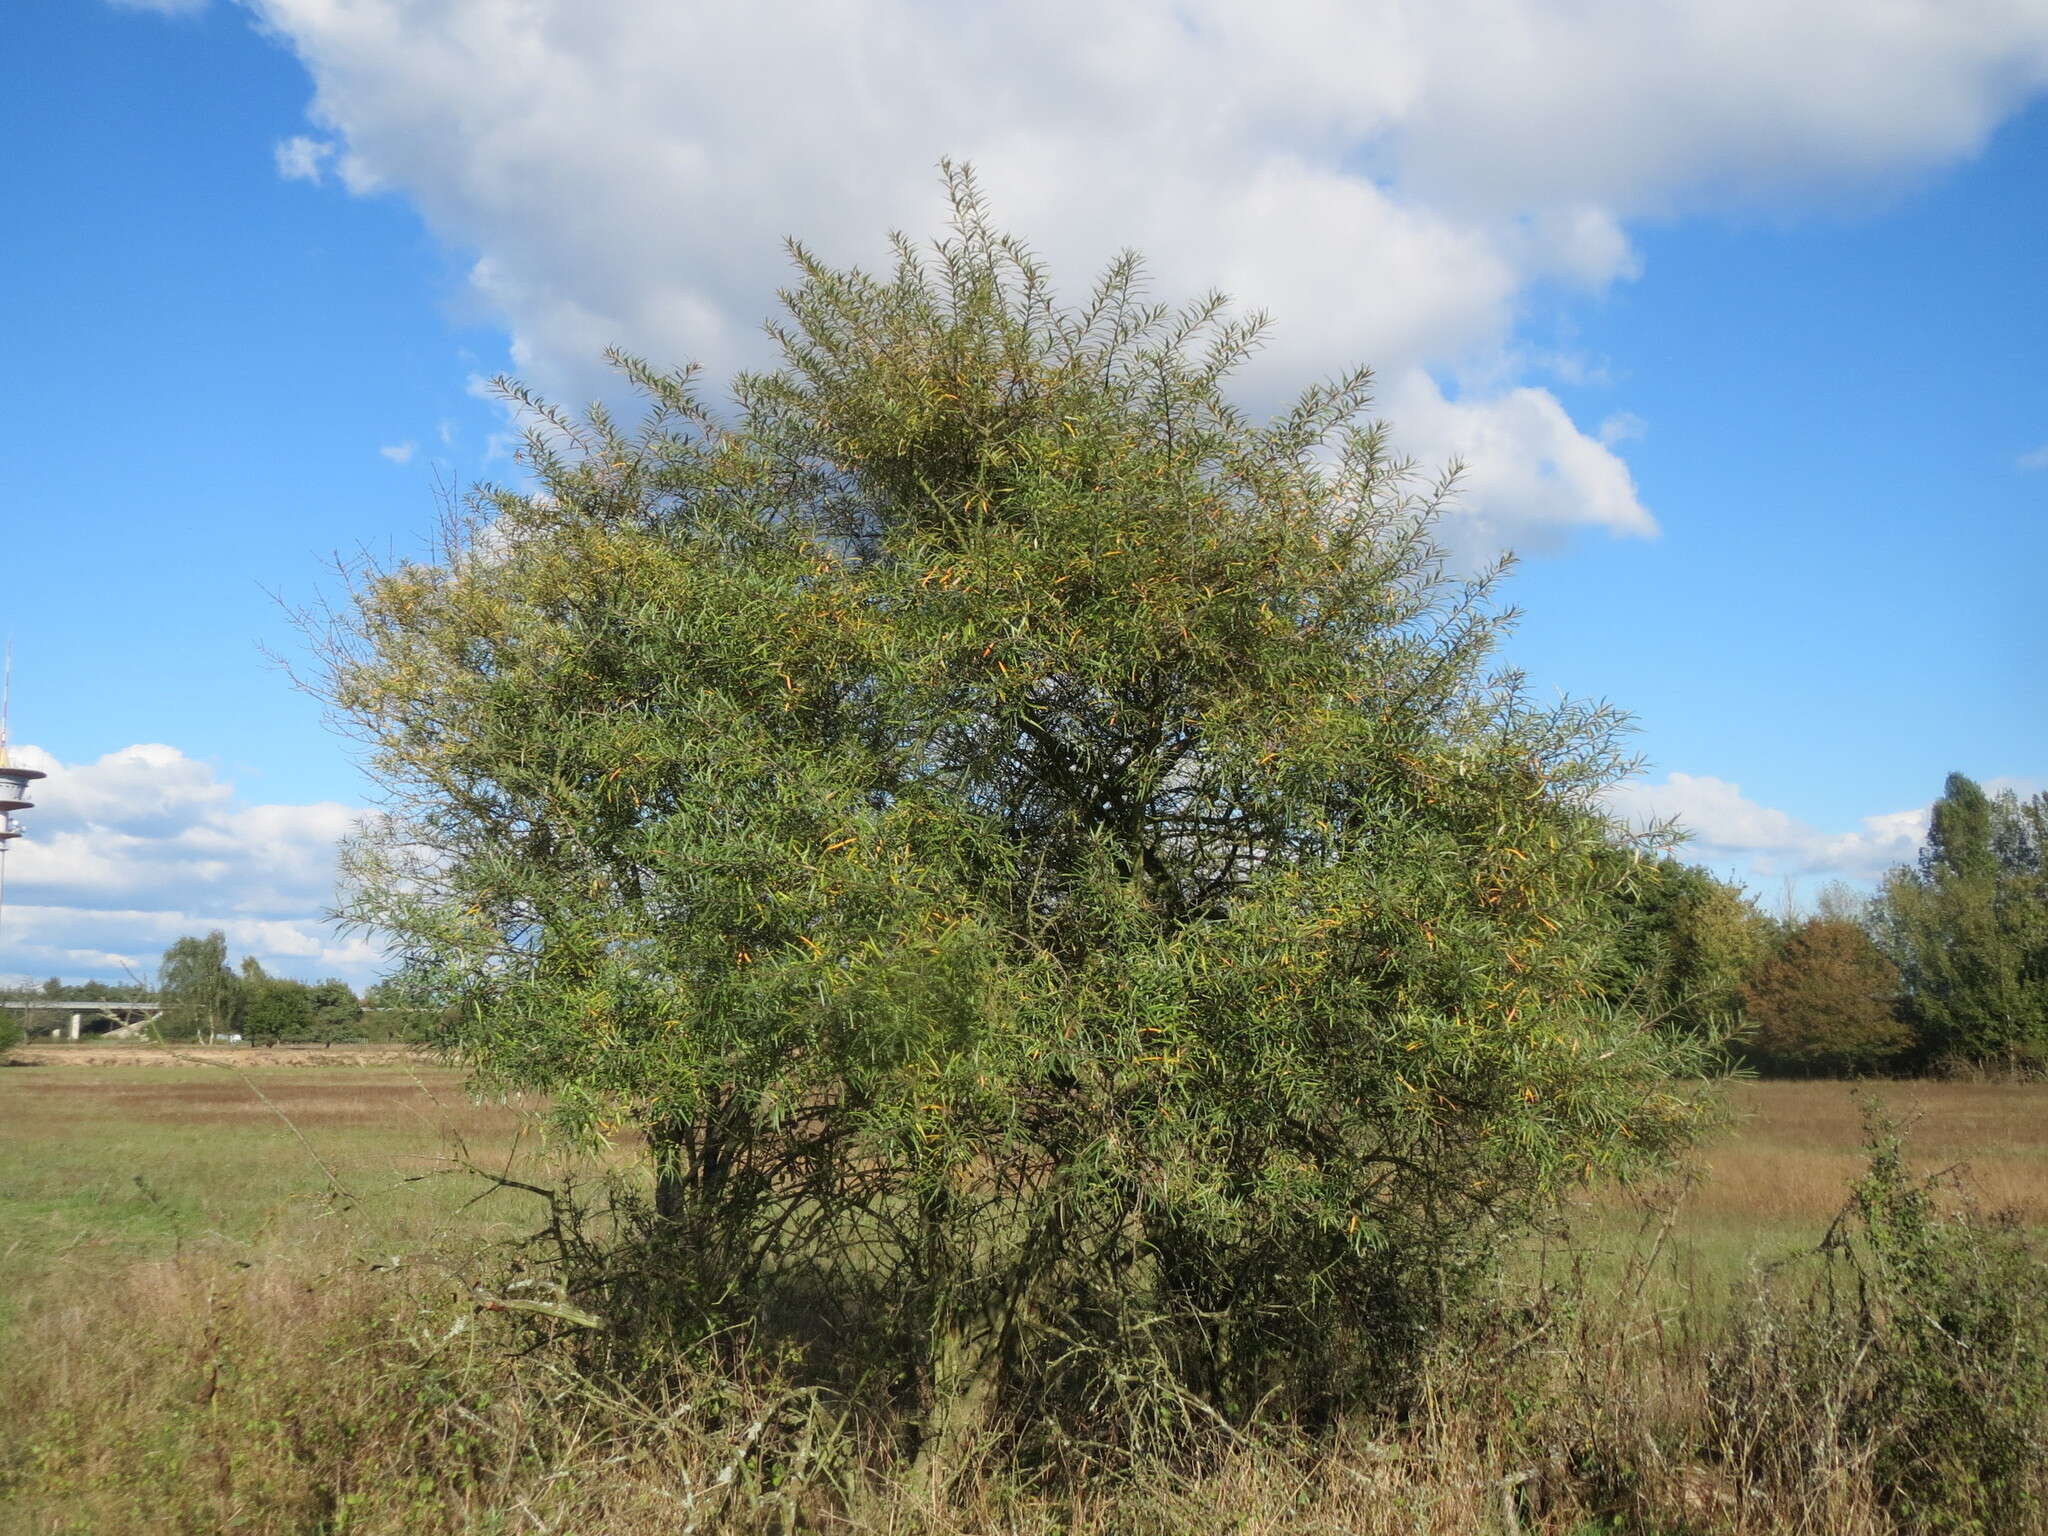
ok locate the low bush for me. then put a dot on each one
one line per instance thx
(1914, 1359)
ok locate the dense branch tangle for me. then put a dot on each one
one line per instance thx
(1030, 847)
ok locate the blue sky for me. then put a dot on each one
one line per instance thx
(1736, 310)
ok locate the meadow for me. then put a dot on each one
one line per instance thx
(240, 1294)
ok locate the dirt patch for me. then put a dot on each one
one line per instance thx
(242, 1056)
(307, 1099)
(390, 1113)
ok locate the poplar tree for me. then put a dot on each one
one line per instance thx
(1049, 864)
(1968, 929)
(199, 992)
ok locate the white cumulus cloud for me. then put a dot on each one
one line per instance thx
(127, 853)
(1730, 829)
(1389, 177)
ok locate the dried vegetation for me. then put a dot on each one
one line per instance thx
(263, 1360)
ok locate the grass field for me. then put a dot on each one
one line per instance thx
(225, 1206)
(1770, 1185)
(106, 1167)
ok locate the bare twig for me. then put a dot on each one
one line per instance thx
(268, 1103)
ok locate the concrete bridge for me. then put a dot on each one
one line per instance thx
(128, 1017)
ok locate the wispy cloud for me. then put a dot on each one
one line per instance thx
(399, 453)
(1623, 427)
(302, 159)
(2036, 459)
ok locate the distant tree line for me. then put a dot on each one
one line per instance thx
(56, 991)
(205, 997)
(1943, 969)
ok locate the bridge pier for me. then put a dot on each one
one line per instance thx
(72, 1014)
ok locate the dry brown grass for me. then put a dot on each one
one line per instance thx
(356, 1099)
(203, 1342)
(300, 1394)
(304, 1394)
(149, 1054)
(1797, 1147)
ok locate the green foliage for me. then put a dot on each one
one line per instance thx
(1046, 862)
(1826, 1004)
(405, 1006)
(418, 1026)
(1920, 1351)
(1687, 942)
(11, 1032)
(1959, 833)
(1968, 930)
(276, 1010)
(337, 1013)
(55, 990)
(201, 996)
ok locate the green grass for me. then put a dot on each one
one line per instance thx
(108, 1167)
(1768, 1187)
(102, 1165)
(208, 1334)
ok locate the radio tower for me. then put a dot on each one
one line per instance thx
(14, 782)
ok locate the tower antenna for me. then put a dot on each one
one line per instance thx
(7, 832)
(14, 782)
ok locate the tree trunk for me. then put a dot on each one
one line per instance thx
(966, 1372)
(976, 1345)
(671, 1143)
(693, 1160)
